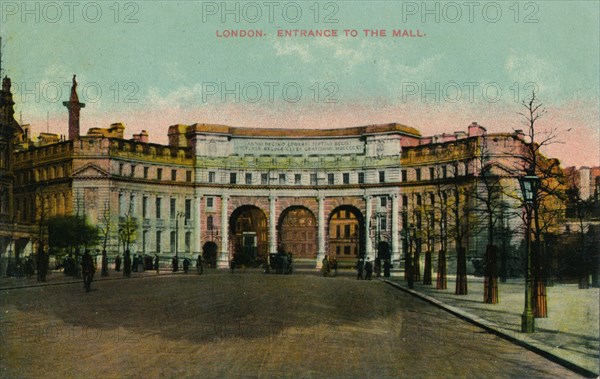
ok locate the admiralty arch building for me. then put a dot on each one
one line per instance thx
(219, 190)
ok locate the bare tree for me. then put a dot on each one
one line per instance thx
(546, 207)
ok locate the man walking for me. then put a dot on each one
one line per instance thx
(88, 270)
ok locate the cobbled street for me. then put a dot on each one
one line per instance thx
(246, 325)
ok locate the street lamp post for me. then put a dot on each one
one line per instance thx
(529, 186)
(179, 214)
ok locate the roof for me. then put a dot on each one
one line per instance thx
(299, 133)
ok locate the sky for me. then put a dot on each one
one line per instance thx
(153, 64)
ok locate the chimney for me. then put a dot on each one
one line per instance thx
(142, 137)
(73, 105)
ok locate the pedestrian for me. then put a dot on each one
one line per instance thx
(175, 263)
(127, 264)
(140, 267)
(118, 263)
(387, 266)
(104, 263)
(88, 270)
(199, 266)
(134, 265)
(359, 269)
(186, 265)
(334, 266)
(377, 268)
(368, 270)
(325, 266)
(232, 265)
(156, 266)
(29, 270)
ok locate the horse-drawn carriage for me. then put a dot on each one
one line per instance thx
(281, 263)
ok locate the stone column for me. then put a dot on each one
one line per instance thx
(369, 241)
(395, 246)
(272, 224)
(321, 231)
(197, 220)
(224, 258)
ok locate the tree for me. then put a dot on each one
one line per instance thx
(71, 232)
(128, 227)
(548, 203)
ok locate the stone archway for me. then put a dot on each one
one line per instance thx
(248, 235)
(297, 228)
(209, 253)
(346, 233)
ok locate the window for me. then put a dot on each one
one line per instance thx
(330, 179)
(383, 223)
(188, 242)
(173, 175)
(232, 178)
(404, 201)
(337, 249)
(432, 199)
(158, 206)
(404, 174)
(281, 178)
(211, 176)
(121, 205)
(158, 240)
(418, 199)
(297, 179)
(173, 208)
(145, 207)
(444, 172)
(209, 202)
(132, 173)
(431, 173)
(381, 176)
(121, 168)
(188, 176)
(418, 174)
(188, 209)
(346, 178)
(361, 178)
(248, 178)
(209, 223)
(144, 240)
(132, 209)
(383, 201)
(346, 250)
(338, 231)
(159, 173)
(146, 172)
(347, 231)
(313, 179)
(264, 178)
(173, 241)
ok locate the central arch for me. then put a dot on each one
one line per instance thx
(297, 228)
(248, 235)
(346, 233)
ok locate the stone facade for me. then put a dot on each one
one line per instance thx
(218, 190)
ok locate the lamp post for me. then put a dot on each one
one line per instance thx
(179, 214)
(529, 186)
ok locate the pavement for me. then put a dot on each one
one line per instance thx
(568, 336)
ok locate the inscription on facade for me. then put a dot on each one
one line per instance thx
(298, 147)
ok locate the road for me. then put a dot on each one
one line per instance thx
(246, 325)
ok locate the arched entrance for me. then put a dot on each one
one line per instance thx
(248, 235)
(209, 253)
(346, 233)
(298, 232)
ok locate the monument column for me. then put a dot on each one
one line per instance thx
(321, 231)
(369, 242)
(395, 247)
(272, 224)
(224, 258)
